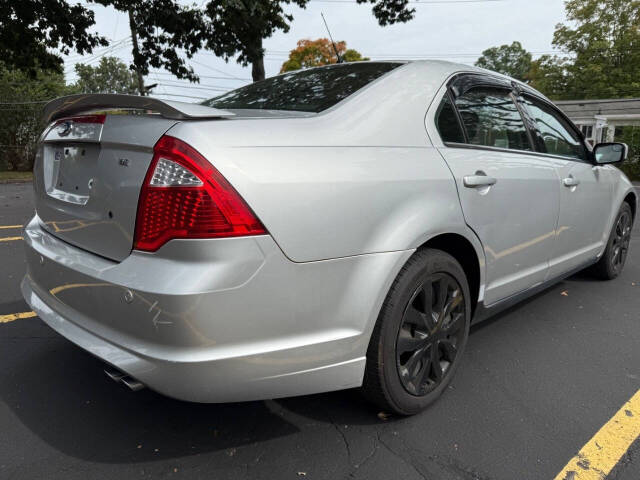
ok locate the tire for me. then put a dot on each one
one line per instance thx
(401, 375)
(612, 261)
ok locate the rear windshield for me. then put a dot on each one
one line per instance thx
(312, 90)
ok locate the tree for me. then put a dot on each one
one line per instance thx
(110, 76)
(313, 53)
(29, 28)
(602, 46)
(602, 59)
(548, 75)
(236, 27)
(24, 95)
(512, 60)
(160, 30)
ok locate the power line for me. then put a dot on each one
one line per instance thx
(99, 50)
(206, 76)
(215, 69)
(116, 46)
(215, 89)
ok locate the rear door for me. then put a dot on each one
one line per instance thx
(586, 190)
(509, 196)
(88, 174)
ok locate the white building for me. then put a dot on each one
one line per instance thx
(598, 119)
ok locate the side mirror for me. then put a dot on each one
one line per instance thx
(610, 153)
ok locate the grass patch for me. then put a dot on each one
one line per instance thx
(13, 176)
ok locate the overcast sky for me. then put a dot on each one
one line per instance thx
(457, 30)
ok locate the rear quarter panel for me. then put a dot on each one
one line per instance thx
(360, 178)
(327, 202)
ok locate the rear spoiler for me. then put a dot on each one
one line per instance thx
(84, 103)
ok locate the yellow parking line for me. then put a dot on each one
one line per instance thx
(10, 239)
(598, 457)
(15, 316)
(9, 226)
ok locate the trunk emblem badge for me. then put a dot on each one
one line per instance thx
(64, 129)
(123, 162)
(128, 296)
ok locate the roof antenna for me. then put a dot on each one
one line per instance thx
(335, 49)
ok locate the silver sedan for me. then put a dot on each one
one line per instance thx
(325, 229)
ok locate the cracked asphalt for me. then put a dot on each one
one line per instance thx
(535, 385)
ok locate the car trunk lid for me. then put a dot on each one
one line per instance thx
(89, 169)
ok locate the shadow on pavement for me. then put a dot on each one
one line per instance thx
(60, 393)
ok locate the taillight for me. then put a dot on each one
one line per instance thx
(98, 118)
(184, 196)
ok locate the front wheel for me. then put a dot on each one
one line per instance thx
(420, 334)
(612, 261)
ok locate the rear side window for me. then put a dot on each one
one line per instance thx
(556, 136)
(491, 119)
(312, 90)
(447, 122)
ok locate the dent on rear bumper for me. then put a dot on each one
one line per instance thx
(214, 320)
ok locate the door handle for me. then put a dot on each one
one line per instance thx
(571, 182)
(478, 180)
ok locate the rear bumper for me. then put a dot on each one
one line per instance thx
(213, 320)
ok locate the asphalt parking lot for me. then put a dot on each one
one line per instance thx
(537, 382)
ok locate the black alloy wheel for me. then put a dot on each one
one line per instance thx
(613, 259)
(621, 239)
(420, 335)
(431, 331)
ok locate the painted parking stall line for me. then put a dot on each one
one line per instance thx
(12, 238)
(598, 457)
(16, 316)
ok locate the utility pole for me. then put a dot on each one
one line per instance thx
(136, 53)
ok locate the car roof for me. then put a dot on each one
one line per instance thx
(452, 68)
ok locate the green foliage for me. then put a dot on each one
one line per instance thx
(631, 136)
(29, 28)
(388, 12)
(351, 55)
(110, 76)
(22, 97)
(512, 60)
(603, 52)
(548, 75)
(164, 29)
(236, 28)
(314, 53)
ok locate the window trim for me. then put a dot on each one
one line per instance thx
(517, 91)
(470, 146)
(567, 123)
(498, 85)
(448, 94)
(526, 119)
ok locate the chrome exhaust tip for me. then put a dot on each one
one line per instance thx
(121, 377)
(133, 384)
(113, 374)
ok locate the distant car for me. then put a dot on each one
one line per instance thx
(320, 230)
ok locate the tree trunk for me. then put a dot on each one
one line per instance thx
(136, 53)
(257, 69)
(257, 63)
